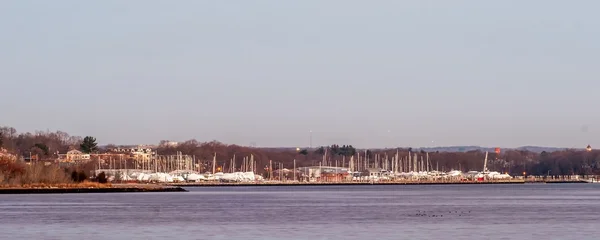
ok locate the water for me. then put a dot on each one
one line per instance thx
(544, 211)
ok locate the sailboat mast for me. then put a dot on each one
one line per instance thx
(485, 162)
(214, 165)
(428, 162)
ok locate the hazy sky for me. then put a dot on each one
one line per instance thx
(367, 73)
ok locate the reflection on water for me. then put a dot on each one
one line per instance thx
(567, 211)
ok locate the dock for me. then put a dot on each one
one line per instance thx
(556, 181)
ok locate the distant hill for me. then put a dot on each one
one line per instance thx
(475, 148)
(541, 149)
(536, 149)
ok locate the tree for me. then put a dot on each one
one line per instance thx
(347, 151)
(334, 149)
(369, 154)
(43, 147)
(303, 152)
(352, 150)
(78, 176)
(81, 176)
(1, 138)
(320, 150)
(101, 178)
(89, 145)
(74, 176)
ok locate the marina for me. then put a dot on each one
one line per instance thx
(182, 170)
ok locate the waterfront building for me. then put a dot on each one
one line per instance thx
(143, 153)
(74, 156)
(323, 173)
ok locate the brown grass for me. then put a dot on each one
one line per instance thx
(18, 174)
(59, 185)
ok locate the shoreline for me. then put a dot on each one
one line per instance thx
(180, 187)
(252, 184)
(219, 184)
(115, 188)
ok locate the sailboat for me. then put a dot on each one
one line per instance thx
(591, 180)
(490, 175)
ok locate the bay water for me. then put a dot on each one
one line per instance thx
(525, 211)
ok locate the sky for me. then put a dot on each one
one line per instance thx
(279, 73)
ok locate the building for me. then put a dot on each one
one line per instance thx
(589, 148)
(138, 153)
(375, 172)
(74, 156)
(323, 173)
(134, 150)
(335, 177)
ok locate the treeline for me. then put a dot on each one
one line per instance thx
(336, 150)
(40, 146)
(514, 162)
(45, 145)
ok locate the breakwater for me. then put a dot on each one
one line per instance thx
(116, 188)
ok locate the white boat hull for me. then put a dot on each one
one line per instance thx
(592, 180)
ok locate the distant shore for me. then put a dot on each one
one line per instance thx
(220, 184)
(114, 188)
(291, 183)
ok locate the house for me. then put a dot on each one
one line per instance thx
(138, 153)
(134, 150)
(376, 173)
(74, 156)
